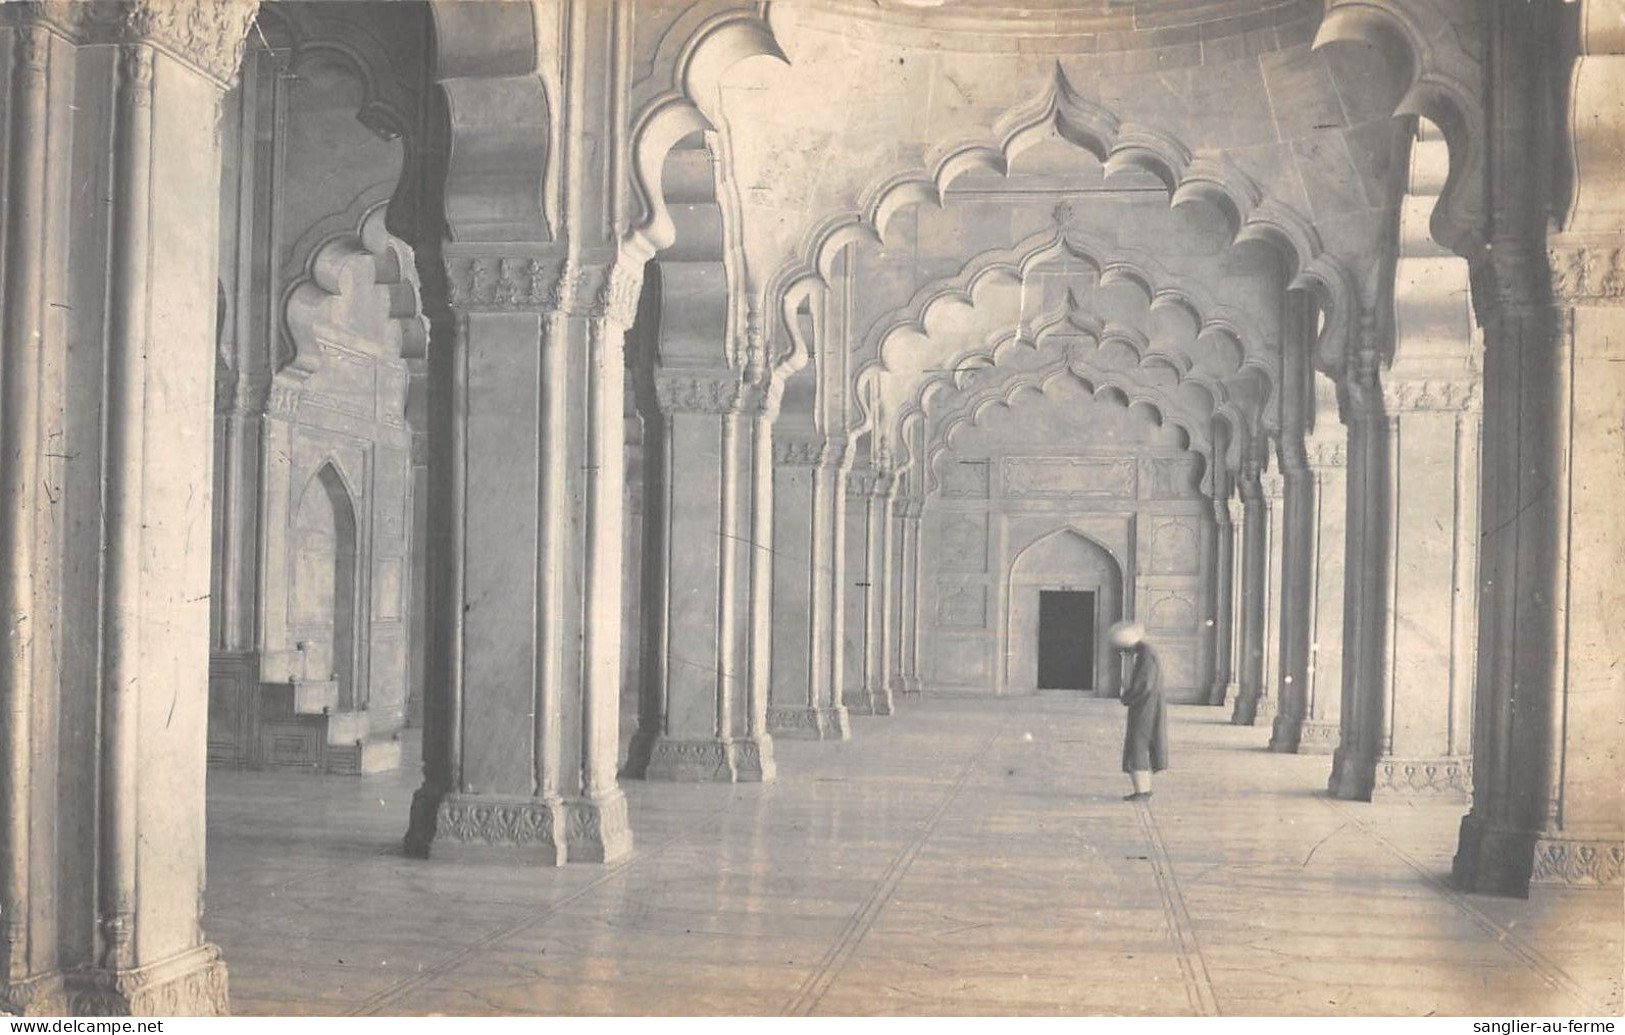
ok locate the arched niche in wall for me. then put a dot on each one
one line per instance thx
(1064, 560)
(324, 597)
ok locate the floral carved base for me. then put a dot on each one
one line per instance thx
(872, 700)
(753, 760)
(597, 829)
(1408, 776)
(1578, 862)
(192, 984)
(43, 995)
(531, 823)
(1319, 738)
(693, 761)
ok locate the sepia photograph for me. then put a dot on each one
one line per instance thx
(812, 508)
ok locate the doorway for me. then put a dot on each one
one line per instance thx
(1066, 640)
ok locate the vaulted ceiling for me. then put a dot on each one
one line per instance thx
(1133, 185)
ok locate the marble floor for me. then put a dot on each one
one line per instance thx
(962, 857)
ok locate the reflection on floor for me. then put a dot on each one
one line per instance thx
(964, 856)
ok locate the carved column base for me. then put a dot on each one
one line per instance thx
(1403, 777)
(44, 995)
(837, 724)
(912, 686)
(1353, 773)
(1319, 738)
(1221, 692)
(693, 761)
(534, 824)
(597, 830)
(192, 984)
(1286, 734)
(796, 723)
(1251, 709)
(753, 759)
(1492, 860)
(874, 700)
(1579, 862)
(638, 750)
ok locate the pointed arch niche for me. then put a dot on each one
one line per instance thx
(324, 600)
(1057, 484)
(1064, 560)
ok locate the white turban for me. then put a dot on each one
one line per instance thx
(1124, 635)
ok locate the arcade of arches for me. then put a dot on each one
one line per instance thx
(604, 392)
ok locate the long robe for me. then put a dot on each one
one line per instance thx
(1145, 741)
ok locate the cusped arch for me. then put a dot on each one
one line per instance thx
(1429, 41)
(1252, 215)
(498, 70)
(1120, 267)
(1102, 388)
(688, 63)
(388, 263)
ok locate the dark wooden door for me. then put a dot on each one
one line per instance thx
(1066, 640)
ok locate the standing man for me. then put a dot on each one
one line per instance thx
(1145, 740)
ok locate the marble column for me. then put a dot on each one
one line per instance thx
(1253, 595)
(908, 598)
(704, 675)
(1547, 796)
(755, 753)
(1366, 575)
(1431, 609)
(1238, 604)
(105, 510)
(528, 435)
(1224, 569)
(1324, 697)
(877, 688)
(1431, 396)
(827, 613)
(853, 585)
(798, 708)
(1297, 544)
(31, 984)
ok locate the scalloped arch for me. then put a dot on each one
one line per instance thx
(1127, 267)
(1101, 386)
(498, 71)
(689, 61)
(1218, 400)
(1190, 178)
(392, 268)
(1426, 38)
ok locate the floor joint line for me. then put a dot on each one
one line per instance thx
(835, 959)
(1192, 964)
(376, 1002)
(1543, 966)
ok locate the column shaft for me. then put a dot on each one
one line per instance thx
(20, 416)
(761, 545)
(1254, 597)
(1366, 577)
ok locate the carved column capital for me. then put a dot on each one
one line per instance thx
(206, 34)
(1430, 394)
(1272, 484)
(862, 483)
(503, 280)
(1327, 454)
(1587, 276)
(622, 287)
(797, 452)
(833, 456)
(714, 392)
